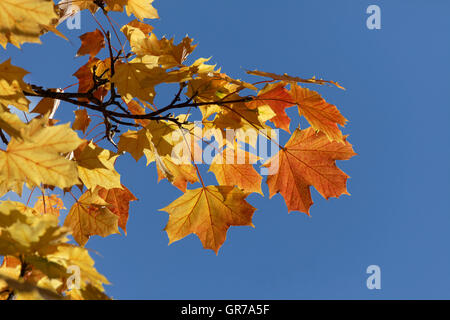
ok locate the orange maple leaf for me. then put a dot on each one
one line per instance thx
(119, 200)
(91, 43)
(320, 114)
(233, 167)
(82, 120)
(278, 98)
(308, 159)
(85, 79)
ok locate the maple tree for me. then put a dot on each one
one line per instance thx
(117, 85)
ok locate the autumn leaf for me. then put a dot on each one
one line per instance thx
(130, 79)
(142, 9)
(11, 124)
(23, 20)
(12, 85)
(136, 24)
(30, 234)
(162, 134)
(85, 76)
(308, 159)
(162, 51)
(208, 212)
(40, 152)
(119, 203)
(96, 167)
(288, 78)
(91, 43)
(90, 216)
(49, 205)
(82, 120)
(137, 143)
(233, 167)
(67, 7)
(320, 114)
(179, 174)
(135, 108)
(278, 99)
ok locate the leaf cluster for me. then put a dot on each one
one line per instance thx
(116, 90)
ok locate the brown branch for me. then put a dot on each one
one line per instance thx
(155, 115)
(3, 137)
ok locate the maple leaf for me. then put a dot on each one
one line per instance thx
(161, 51)
(142, 9)
(10, 213)
(82, 120)
(24, 20)
(68, 7)
(135, 108)
(40, 153)
(233, 167)
(90, 216)
(208, 212)
(28, 234)
(137, 143)
(91, 43)
(70, 255)
(12, 86)
(88, 293)
(308, 159)
(96, 167)
(179, 174)
(119, 203)
(85, 79)
(320, 114)
(136, 24)
(288, 78)
(131, 81)
(247, 123)
(49, 205)
(11, 124)
(162, 133)
(278, 98)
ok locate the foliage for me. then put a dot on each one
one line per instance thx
(118, 86)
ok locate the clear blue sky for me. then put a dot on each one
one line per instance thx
(397, 101)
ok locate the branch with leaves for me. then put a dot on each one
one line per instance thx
(117, 86)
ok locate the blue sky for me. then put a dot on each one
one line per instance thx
(397, 101)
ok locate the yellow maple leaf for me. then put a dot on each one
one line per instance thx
(49, 205)
(12, 85)
(40, 153)
(24, 20)
(70, 255)
(208, 212)
(96, 167)
(142, 9)
(90, 216)
(11, 124)
(31, 235)
(164, 51)
(130, 79)
(137, 143)
(179, 174)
